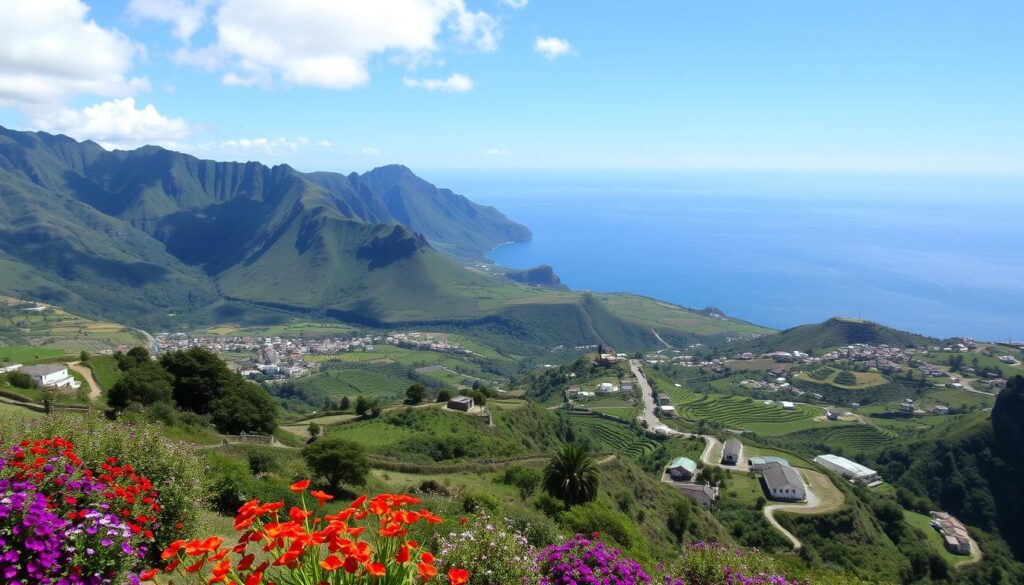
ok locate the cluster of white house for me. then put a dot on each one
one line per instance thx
(46, 375)
(954, 533)
(782, 482)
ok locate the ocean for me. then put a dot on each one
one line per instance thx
(940, 255)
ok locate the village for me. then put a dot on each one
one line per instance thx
(280, 357)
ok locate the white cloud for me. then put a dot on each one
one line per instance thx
(324, 143)
(187, 16)
(552, 47)
(516, 4)
(370, 151)
(455, 82)
(496, 152)
(51, 52)
(478, 28)
(116, 124)
(321, 43)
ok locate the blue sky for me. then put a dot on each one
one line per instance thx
(905, 86)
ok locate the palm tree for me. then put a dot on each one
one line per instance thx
(571, 476)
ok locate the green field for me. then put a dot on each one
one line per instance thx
(737, 412)
(660, 316)
(104, 369)
(742, 489)
(24, 354)
(864, 379)
(386, 382)
(613, 436)
(844, 438)
(55, 328)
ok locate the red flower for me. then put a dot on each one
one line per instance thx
(458, 576)
(300, 486)
(148, 575)
(322, 496)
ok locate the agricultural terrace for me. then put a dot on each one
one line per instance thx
(54, 328)
(657, 314)
(842, 378)
(386, 382)
(845, 439)
(736, 412)
(23, 354)
(609, 435)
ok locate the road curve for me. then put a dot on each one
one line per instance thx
(95, 391)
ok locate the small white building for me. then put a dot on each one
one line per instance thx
(668, 411)
(783, 482)
(787, 405)
(52, 375)
(701, 494)
(849, 469)
(10, 368)
(607, 388)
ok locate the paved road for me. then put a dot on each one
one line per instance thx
(95, 391)
(647, 393)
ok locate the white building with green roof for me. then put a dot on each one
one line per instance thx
(682, 469)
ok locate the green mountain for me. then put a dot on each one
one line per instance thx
(835, 332)
(163, 239)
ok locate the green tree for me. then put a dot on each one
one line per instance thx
(571, 476)
(524, 479)
(21, 380)
(134, 357)
(362, 405)
(144, 384)
(244, 407)
(444, 396)
(314, 430)
(200, 377)
(415, 394)
(345, 403)
(83, 356)
(337, 461)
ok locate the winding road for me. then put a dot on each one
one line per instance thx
(95, 391)
(822, 496)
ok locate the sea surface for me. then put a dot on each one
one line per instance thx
(939, 255)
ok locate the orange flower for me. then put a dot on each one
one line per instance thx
(427, 558)
(322, 496)
(148, 575)
(403, 554)
(255, 578)
(375, 569)
(299, 486)
(458, 576)
(331, 563)
(426, 571)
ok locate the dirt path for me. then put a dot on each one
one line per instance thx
(976, 555)
(95, 391)
(822, 497)
(663, 342)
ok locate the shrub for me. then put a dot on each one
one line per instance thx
(64, 522)
(21, 380)
(494, 552)
(713, 564)
(474, 503)
(173, 468)
(595, 517)
(523, 478)
(582, 560)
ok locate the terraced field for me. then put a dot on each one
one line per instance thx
(736, 412)
(385, 382)
(848, 439)
(614, 436)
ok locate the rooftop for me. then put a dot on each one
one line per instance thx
(44, 369)
(683, 462)
(852, 467)
(777, 475)
(768, 459)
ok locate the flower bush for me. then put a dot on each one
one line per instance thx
(364, 543)
(172, 466)
(713, 564)
(588, 561)
(494, 552)
(64, 523)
